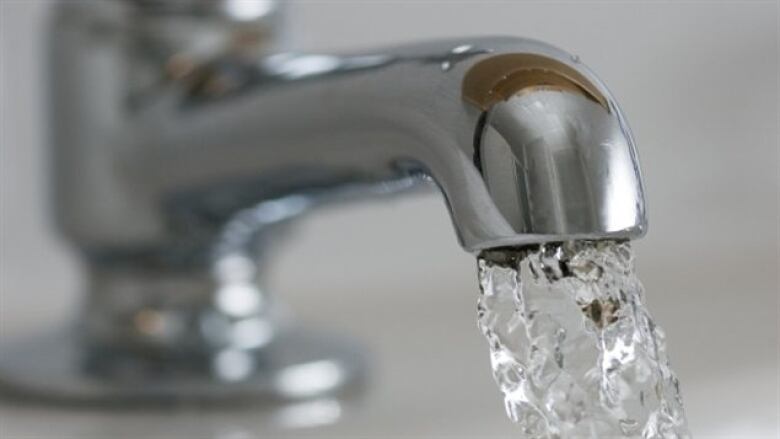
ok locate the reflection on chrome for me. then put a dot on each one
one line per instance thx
(233, 365)
(309, 414)
(238, 299)
(234, 268)
(243, 10)
(305, 380)
(252, 333)
(291, 67)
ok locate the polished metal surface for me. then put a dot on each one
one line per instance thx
(297, 366)
(183, 145)
(239, 132)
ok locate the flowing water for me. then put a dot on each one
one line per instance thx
(573, 348)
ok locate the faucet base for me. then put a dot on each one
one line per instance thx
(298, 365)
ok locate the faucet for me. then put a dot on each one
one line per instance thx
(184, 142)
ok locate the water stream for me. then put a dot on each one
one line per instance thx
(572, 346)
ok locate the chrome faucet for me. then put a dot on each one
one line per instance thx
(184, 141)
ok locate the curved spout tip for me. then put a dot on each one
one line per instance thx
(554, 153)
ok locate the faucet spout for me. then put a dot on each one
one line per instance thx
(524, 142)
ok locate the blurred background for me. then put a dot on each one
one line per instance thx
(698, 81)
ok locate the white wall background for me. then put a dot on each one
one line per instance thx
(699, 83)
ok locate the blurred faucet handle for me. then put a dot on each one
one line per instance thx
(174, 40)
